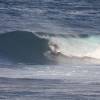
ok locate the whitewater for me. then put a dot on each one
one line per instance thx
(79, 47)
(49, 50)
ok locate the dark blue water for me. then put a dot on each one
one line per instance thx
(57, 16)
(30, 69)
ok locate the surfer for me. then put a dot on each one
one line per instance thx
(54, 49)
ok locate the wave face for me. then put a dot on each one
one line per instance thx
(23, 47)
(55, 16)
(40, 48)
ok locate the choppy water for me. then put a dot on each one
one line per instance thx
(24, 82)
(53, 16)
(47, 89)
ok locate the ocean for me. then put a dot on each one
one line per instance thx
(49, 49)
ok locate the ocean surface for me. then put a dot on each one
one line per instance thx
(49, 50)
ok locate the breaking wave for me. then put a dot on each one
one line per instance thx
(44, 48)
